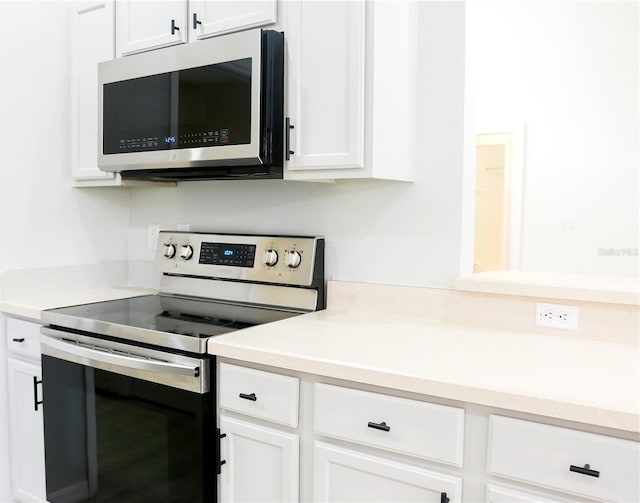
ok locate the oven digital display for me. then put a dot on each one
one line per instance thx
(231, 254)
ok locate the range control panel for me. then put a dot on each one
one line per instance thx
(290, 260)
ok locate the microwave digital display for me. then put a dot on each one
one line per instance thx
(197, 107)
(236, 255)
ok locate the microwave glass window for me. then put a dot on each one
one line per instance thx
(199, 107)
(214, 105)
(137, 114)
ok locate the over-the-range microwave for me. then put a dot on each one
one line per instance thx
(211, 109)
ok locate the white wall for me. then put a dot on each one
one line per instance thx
(380, 232)
(44, 221)
(568, 71)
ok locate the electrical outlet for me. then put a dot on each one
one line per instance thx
(556, 316)
(152, 236)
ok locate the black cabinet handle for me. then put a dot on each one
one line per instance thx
(444, 498)
(584, 470)
(287, 139)
(174, 28)
(219, 462)
(21, 339)
(379, 426)
(251, 397)
(195, 21)
(36, 402)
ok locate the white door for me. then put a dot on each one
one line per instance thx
(261, 464)
(208, 18)
(326, 53)
(92, 41)
(27, 433)
(344, 475)
(144, 25)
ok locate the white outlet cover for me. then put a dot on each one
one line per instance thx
(152, 236)
(556, 316)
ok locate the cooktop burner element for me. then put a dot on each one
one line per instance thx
(211, 284)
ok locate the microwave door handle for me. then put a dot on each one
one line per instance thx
(86, 356)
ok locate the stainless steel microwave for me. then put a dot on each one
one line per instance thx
(212, 109)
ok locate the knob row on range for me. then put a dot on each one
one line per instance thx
(186, 251)
(292, 258)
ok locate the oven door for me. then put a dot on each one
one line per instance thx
(125, 424)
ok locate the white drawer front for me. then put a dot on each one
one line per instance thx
(416, 428)
(256, 393)
(23, 338)
(543, 455)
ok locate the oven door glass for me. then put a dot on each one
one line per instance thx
(114, 438)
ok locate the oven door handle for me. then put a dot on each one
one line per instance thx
(87, 355)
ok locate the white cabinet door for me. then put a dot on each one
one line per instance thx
(144, 25)
(27, 433)
(261, 464)
(208, 18)
(326, 65)
(498, 494)
(348, 475)
(92, 41)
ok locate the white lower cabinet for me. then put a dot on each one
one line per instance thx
(261, 464)
(348, 475)
(499, 494)
(25, 410)
(27, 433)
(291, 438)
(574, 462)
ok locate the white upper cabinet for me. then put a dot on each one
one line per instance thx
(326, 78)
(143, 25)
(349, 89)
(92, 41)
(208, 18)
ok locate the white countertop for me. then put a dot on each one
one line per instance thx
(587, 381)
(32, 305)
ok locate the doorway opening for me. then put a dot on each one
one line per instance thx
(498, 205)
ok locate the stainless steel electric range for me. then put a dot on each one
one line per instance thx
(128, 387)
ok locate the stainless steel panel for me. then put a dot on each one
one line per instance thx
(177, 371)
(231, 47)
(279, 273)
(298, 299)
(126, 332)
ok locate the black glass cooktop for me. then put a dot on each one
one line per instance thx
(161, 320)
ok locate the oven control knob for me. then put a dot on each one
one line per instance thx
(186, 252)
(292, 258)
(169, 250)
(270, 257)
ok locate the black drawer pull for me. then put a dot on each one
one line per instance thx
(444, 498)
(174, 27)
(585, 470)
(379, 426)
(251, 397)
(21, 339)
